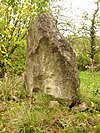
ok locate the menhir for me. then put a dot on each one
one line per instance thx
(51, 62)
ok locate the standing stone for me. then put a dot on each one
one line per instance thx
(51, 62)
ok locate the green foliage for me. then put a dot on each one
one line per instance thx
(82, 47)
(15, 16)
(18, 59)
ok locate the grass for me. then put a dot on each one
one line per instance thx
(90, 86)
(17, 117)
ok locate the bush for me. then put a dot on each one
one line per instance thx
(83, 62)
(18, 59)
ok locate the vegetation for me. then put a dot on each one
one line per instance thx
(17, 117)
(83, 52)
(93, 50)
(15, 18)
(15, 113)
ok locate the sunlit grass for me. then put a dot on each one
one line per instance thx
(90, 86)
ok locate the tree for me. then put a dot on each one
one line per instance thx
(92, 34)
(82, 35)
(15, 16)
(93, 49)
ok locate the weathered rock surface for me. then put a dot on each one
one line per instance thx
(51, 62)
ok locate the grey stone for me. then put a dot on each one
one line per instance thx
(80, 107)
(51, 62)
(53, 104)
